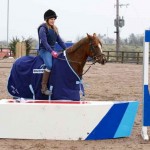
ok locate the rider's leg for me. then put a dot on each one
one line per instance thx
(45, 79)
(47, 58)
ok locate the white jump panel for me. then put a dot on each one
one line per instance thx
(88, 120)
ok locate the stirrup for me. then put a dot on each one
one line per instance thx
(46, 92)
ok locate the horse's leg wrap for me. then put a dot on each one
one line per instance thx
(45, 79)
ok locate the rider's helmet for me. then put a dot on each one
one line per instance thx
(49, 14)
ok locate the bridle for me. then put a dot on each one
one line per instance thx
(96, 57)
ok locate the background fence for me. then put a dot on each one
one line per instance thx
(112, 56)
(124, 57)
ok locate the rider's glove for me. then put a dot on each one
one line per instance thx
(54, 54)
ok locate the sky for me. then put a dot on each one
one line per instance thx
(75, 18)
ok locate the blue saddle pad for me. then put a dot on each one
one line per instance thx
(26, 76)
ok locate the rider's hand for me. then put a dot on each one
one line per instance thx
(54, 54)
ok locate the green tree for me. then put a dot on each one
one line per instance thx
(12, 45)
(28, 42)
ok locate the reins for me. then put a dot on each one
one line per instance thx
(90, 65)
(88, 68)
(67, 59)
(78, 63)
(94, 58)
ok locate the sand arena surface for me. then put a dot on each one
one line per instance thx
(111, 82)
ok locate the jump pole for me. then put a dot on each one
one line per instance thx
(146, 96)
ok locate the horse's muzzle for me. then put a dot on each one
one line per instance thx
(101, 59)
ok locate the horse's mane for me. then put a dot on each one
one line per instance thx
(77, 45)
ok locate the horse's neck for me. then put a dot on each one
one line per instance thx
(77, 59)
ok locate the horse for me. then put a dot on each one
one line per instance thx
(65, 81)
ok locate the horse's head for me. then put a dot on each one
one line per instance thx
(95, 49)
(88, 46)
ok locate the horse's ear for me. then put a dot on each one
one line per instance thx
(94, 34)
(88, 35)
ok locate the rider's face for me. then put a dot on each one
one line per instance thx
(51, 21)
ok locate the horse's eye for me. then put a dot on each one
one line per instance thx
(96, 46)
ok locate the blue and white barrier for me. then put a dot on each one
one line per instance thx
(66, 120)
(146, 96)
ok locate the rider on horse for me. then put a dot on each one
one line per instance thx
(48, 36)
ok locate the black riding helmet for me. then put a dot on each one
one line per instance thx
(49, 14)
